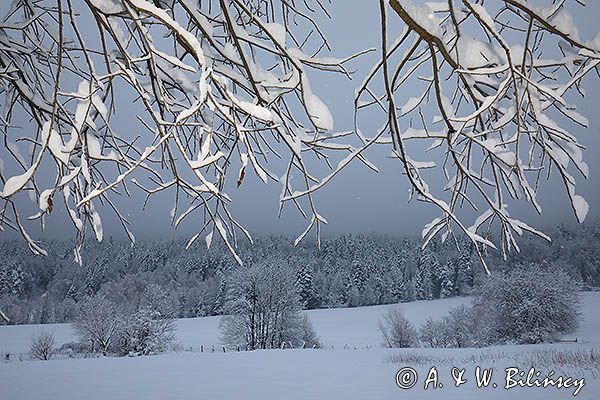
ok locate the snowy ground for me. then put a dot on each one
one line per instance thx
(336, 327)
(340, 372)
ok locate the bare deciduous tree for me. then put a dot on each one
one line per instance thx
(396, 330)
(99, 323)
(42, 346)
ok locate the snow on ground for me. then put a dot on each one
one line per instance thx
(289, 374)
(355, 327)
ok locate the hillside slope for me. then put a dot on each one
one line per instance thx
(330, 374)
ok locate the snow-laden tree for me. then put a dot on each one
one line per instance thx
(220, 87)
(446, 279)
(304, 286)
(396, 330)
(148, 331)
(308, 335)
(12, 278)
(530, 304)
(264, 309)
(99, 323)
(432, 333)
(456, 329)
(217, 84)
(460, 327)
(424, 275)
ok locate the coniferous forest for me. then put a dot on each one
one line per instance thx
(346, 271)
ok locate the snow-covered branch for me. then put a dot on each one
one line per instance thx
(224, 84)
(499, 80)
(215, 85)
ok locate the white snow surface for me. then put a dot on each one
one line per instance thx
(341, 372)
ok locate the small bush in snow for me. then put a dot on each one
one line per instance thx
(176, 347)
(396, 329)
(433, 334)
(527, 305)
(75, 349)
(457, 329)
(42, 346)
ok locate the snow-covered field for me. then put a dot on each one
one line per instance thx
(352, 365)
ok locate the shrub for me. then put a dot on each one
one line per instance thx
(147, 332)
(309, 336)
(150, 329)
(99, 323)
(456, 329)
(73, 349)
(460, 327)
(42, 346)
(433, 334)
(396, 330)
(527, 305)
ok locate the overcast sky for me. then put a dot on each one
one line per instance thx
(380, 203)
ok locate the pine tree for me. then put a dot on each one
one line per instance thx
(397, 281)
(446, 279)
(72, 292)
(17, 280)
(358, 275)
(464, 272)
(304, 286)
(221, 296)
(424, 284)
(3, 281)
(12, 279)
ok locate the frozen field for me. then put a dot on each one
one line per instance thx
(338, 373)
(336, 327)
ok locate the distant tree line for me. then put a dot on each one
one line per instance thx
(346, 271)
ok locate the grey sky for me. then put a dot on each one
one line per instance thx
(380, 204)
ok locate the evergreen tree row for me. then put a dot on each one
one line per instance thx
(346, 271)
